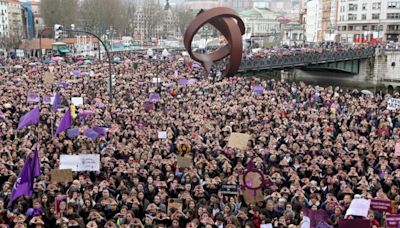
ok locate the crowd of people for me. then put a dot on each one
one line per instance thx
(320, 147)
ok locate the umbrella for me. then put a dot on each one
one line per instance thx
(87, 61)
(32, 64)
(57, 58)
(48, 61)
(18, 67)
(367, 92)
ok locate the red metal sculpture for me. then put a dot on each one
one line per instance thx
(231, 26)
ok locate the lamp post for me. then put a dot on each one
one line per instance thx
(40, 40)
(59, 28)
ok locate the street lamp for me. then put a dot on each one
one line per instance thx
(58, 29)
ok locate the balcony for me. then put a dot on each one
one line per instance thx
(392, 31)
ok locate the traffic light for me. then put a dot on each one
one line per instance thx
(58, 30)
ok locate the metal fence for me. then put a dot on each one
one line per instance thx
(305, 59)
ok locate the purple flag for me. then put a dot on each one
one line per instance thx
(85, 114)
(154, 97)
(258, 90)
(33, 98)
(24, 184)
(30, 118)
(90, 133)
(182, 81)
(73, 133)
(62, 85)
(102, 131)
(56, 102)
(66, 122)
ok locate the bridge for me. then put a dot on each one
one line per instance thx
(347, 61)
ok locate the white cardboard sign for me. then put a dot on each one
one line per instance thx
(82, 162)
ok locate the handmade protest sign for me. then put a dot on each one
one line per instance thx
(61, 175)
(229, 189)
(162, 135)
(48, 78)
(77, 101)
(184, 161)
(82, 162)
(359, 207)
(393, 104)
(397, 150)
(238, 140)
(175, 203)
(252, 183)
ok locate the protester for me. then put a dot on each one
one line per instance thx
(319, 146)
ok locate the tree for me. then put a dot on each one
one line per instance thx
(183, 18)
(150, 19)
(128, 14)
(99, 15)
(62, 12)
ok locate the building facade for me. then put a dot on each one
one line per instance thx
(37, 18)
(237, 4)
(261, 24)
(369, 21)
(4, 24)
(15, 19)
(321, 21)
(196, 5)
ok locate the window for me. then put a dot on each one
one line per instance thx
(393, 16)
(375, 16)
(343, 28)
(393, 5)
(350, 28)
(352, 17)
(364, 17)
(376, 5)
(364, 6)
(353, 7)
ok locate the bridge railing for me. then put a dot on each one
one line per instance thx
(304, 59)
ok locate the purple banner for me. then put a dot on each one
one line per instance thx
(76, 73)
(46, 100)
(154, 97)
(356, 223)
(73, 133)
(258, 90)
(33, 98)
(62, 85)
(182, 81)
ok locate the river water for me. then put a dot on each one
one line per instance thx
(323, 79)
